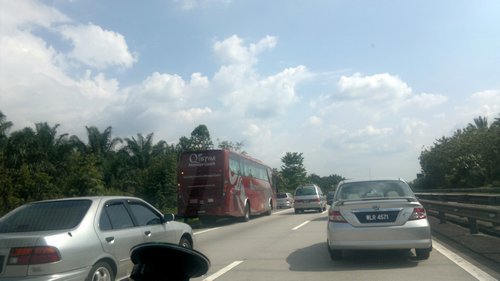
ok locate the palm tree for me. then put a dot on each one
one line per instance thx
(480, 123)
(140, 150)
(4, 127)
(99, 143)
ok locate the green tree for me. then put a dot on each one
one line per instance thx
(140, 150)
(469, 158)
(328, 183)
(6, 194)
(102, 146)
(233, 146)
(200, 138)
(293, 171)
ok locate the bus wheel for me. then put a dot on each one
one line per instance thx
(246, 216)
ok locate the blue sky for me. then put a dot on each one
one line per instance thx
(358, 87)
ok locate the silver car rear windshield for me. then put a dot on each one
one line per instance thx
(305, 190)
(45, 216)
(374, 189)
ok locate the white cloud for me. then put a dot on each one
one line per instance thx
(488, 103)
(483, 103)
(378, 87)
(107, 48)
(315, 121)
(163, 87)
(193, 115)
(232, 50)
(425, 100)
(24, 14)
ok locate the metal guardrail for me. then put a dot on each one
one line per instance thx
(469, 198)
(472, 212)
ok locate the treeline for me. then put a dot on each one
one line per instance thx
(469, 158)
(40, 163)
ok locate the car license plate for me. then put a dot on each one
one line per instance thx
(377, 217)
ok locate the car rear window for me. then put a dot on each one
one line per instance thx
(374, 189)
(282, 195)
(305, 190)
(44, 216)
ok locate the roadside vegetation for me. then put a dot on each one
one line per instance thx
(470, 158)
(41, 163)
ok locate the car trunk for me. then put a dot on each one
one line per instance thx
(385, 212)
(7, 243)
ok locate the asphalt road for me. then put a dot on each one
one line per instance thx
(288, 246)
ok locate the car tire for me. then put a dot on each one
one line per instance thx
(423, 254)
(185, 242)
(101, 271)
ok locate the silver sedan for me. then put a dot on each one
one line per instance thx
(377, 214)
(85, 238)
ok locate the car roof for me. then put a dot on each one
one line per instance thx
(93, 198)
(372, 179)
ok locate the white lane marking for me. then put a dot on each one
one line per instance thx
(467, 266)
(222, 271)
(301, 225)
(206, 230)
(283, 211)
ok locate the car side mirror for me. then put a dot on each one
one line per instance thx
(168, 217)
(166, 261)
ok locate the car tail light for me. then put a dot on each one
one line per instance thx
(336, 216)
(418, 214)
(33, 255)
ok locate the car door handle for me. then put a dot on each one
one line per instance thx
(110, 239)
(147, 233)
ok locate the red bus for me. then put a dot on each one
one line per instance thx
(222, 183)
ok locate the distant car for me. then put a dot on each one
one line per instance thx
(377, 214)
(329, 197)
(309, 197)
(284, 200)
(85, 238)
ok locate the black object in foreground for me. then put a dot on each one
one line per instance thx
(164, 261)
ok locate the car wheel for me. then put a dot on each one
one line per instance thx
(185, 242)
(423, 254)
(101, 271)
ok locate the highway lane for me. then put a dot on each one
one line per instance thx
(288, 246)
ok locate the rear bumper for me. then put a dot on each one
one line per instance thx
(413, 234)
(285, 204)
(75, 275)
(309, 206)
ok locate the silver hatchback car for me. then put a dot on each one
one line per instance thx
(377, 214)
(284, 200)
(86, 238)
(309, 197)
